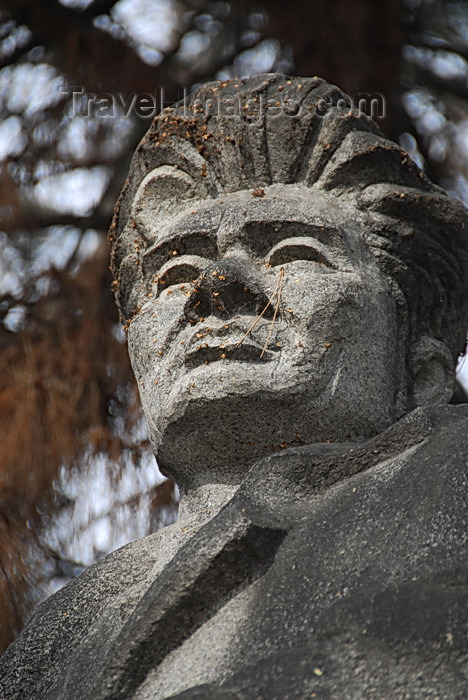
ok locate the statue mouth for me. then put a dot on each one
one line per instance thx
(231, 342)
(247, 352)
(213, 346)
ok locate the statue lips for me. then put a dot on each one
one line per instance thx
(206, 346)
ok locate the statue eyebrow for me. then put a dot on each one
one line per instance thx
(196, 242)
(263, 235)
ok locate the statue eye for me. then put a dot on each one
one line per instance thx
(290, 251)
(180, 272)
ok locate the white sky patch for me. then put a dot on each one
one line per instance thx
(105, 23)
(13, 138)
(446, 64)
(432, 120)
(55, 249)
(421, 107)
(76, 138)
(438, 145)
(462, 138)
(152, 57)
(259, 59)
(192, 45)
(150, 22)
(462, 372)
(457, 187)
(19, 36)
(90, 241)
(103, 516)
(119, 333)
(77, 4)
(53, 246)
(116, 138)
(415, 103)
(410, 145)
(29, 88)
(14, 318)
(76, 192)
(449, 66)
(10, 267)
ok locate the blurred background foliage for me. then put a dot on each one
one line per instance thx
(77, 477)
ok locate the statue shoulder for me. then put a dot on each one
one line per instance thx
(108, 590)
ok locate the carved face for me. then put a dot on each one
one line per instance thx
(266, 324)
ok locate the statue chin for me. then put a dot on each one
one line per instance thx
(217, 438)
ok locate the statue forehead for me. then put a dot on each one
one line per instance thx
(167, 202)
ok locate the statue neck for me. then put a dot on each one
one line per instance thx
(204, 502)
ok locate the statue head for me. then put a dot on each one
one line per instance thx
(286, 274)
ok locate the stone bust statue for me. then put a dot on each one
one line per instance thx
(295, 295)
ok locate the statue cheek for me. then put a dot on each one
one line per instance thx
(146, 334)
(321, 306)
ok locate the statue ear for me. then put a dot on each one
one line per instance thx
(160, 193)
(432, 371)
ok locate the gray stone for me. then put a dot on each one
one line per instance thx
(294, 290)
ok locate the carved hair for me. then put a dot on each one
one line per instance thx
(243, 134)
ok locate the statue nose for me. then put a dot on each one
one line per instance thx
(225, 288)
